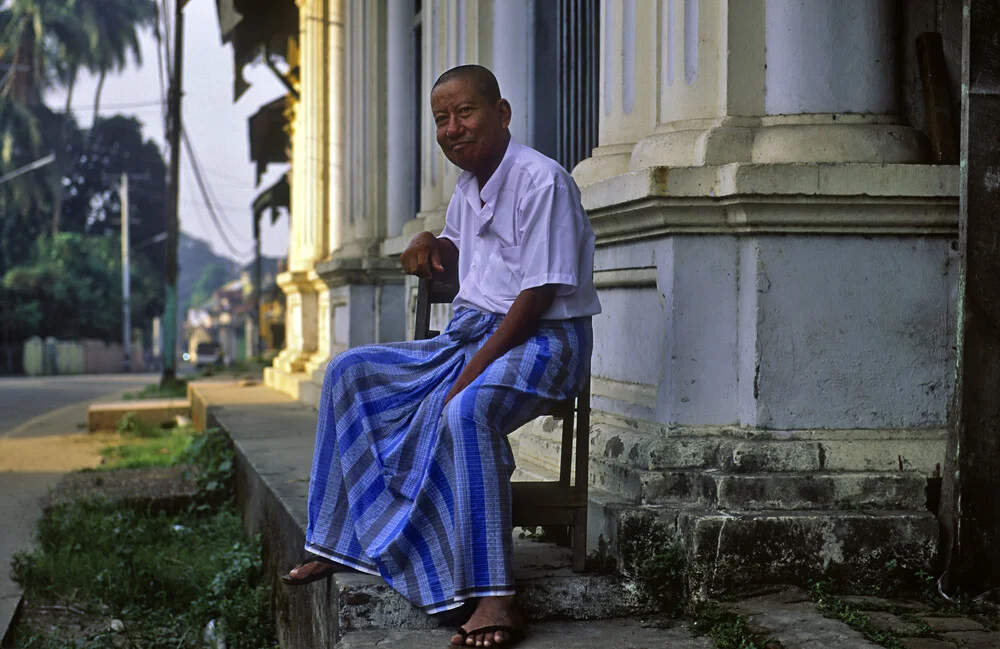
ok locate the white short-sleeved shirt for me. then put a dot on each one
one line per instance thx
(531, 231)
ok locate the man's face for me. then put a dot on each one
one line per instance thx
(471, 132)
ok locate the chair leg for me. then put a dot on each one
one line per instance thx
(579, 539)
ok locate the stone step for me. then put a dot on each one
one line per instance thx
(725, 551)
(736, 450)
(608, 634)
(546, 589)
(725, 490)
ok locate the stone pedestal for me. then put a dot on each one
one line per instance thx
(300, 322)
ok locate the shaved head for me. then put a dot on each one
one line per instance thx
(480, 78)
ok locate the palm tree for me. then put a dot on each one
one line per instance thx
(34, 36)
(112, 28)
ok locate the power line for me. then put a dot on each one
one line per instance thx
(137, 104)
(199, 172)
(208, 203)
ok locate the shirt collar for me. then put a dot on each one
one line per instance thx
(469, 186)
(492, 187)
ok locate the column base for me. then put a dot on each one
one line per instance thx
(605, 162)
(782, 139)
(300, 321)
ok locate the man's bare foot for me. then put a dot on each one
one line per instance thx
(308, 572)
(491, 611)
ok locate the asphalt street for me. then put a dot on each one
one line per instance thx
(56, 405)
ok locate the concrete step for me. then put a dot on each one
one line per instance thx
(546, 589)
(155, 412)
(726, 551)
(726, 490)
(608, 634)
(653, 447)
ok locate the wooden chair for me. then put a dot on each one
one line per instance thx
(552, 505)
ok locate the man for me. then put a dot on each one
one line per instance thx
(411, 473)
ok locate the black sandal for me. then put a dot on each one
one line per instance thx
(289, 580)
(513, 635)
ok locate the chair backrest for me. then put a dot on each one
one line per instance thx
(429, 292)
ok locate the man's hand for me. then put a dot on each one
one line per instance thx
(469, 374)
(520, 324)
(423, 256)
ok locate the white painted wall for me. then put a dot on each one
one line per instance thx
(781, 332)
(831, 56)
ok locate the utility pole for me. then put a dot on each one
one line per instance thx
(256, 346)
(173, 225)
(126, 278)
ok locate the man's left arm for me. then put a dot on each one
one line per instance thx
(520, 323)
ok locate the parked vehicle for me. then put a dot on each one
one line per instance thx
(207, 355)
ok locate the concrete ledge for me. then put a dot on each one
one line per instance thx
(105, 416)
(612, 634)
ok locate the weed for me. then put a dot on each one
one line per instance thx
(655, 560)
(175, 389)
(834, 607)
(727, 629)
(164, 576)
(130, 424)
(212, 456)
(159, 447)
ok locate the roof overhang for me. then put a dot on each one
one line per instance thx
(268, 134)
(256, 28)
(274, 197)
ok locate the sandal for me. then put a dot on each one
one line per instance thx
(513, 635)
(331, 567)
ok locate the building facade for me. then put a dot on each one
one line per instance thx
(775, 249)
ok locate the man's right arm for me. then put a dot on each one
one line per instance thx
(427, 255)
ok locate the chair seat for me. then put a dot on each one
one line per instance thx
(546, 503)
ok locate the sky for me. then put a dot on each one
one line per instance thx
(217, 128)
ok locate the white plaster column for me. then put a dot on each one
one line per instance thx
(628, 100)
(335, 123)
(776, 81)
(307, 243)
(513, 61)
(401, 117)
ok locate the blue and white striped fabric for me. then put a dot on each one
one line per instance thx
(418, 493)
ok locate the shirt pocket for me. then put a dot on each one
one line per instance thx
(503, 272)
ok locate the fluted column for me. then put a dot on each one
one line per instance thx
(777, 81)
(628, 99)
(308, 237)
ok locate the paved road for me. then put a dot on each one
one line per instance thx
(33, 409)
(56, 405)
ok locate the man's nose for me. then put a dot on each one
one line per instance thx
(454, 128)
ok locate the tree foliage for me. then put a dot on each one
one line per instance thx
(69, 285)
(71, 288)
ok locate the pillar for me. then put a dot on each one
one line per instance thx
(627, 100)
(771, 81)
(309, 223)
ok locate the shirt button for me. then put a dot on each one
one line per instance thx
(474, 267)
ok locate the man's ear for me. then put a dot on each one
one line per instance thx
(504, 107)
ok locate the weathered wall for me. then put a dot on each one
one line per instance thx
(781, 331)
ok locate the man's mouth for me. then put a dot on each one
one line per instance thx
(458, 146)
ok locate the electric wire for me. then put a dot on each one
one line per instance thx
(199, 171)
(208, 202)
